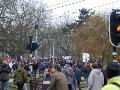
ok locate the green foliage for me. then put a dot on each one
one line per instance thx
(65, 29)
(1, 49)
(84, 14)
(69, 27)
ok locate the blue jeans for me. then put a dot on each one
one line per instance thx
(41, 72)
(25, 86)
(5, 83)
(86, 80)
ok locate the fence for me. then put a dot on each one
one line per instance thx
(38, 85)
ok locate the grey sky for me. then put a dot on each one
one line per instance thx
(72, 7)
(98, 5)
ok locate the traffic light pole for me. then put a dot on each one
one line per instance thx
(114, 54)
(53, 53)
(36, 38)
(30, 40)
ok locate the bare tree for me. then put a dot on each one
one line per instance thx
(17, 21)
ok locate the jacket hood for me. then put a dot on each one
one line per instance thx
(20, 69)
(114, 79)
(97, 71)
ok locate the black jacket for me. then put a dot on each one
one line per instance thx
(4, 72)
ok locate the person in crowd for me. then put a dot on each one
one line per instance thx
(58, 81)
(41, 68)
(69, 73)
(15, 66)
(4, 74)
(20, 77)
(86, 71)
(78, 73)
(10, 65)
(80, 65)
(104, 73)
(96, 78)
(35, 68)
(46, 79)
(113, 75)
(26, 67)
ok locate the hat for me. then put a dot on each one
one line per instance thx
(113, 66)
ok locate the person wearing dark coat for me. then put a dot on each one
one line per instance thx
(4, 75)
(35, 68)
(78, 73)
(15, 66)
(46, 79)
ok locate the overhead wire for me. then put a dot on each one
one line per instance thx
(105, 4)
(59, 3)
(93, 8)
(80, 2)
(67, 5)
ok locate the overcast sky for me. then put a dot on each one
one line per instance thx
(71, 7)
(98, 5)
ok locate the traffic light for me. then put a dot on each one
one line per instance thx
(34, 46)
(114, 28)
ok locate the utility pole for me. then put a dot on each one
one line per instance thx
(114, 54)
(36, 30)
(53, 53)
(36, 36)
(30, 41)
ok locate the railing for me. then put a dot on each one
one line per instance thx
(38, 85)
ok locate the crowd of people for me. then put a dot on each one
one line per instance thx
(64, 75)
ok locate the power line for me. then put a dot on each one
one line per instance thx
(59, 3)
(80, 2)
(63, 6)
(101, 5)
(66, 5)
(105, 4)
